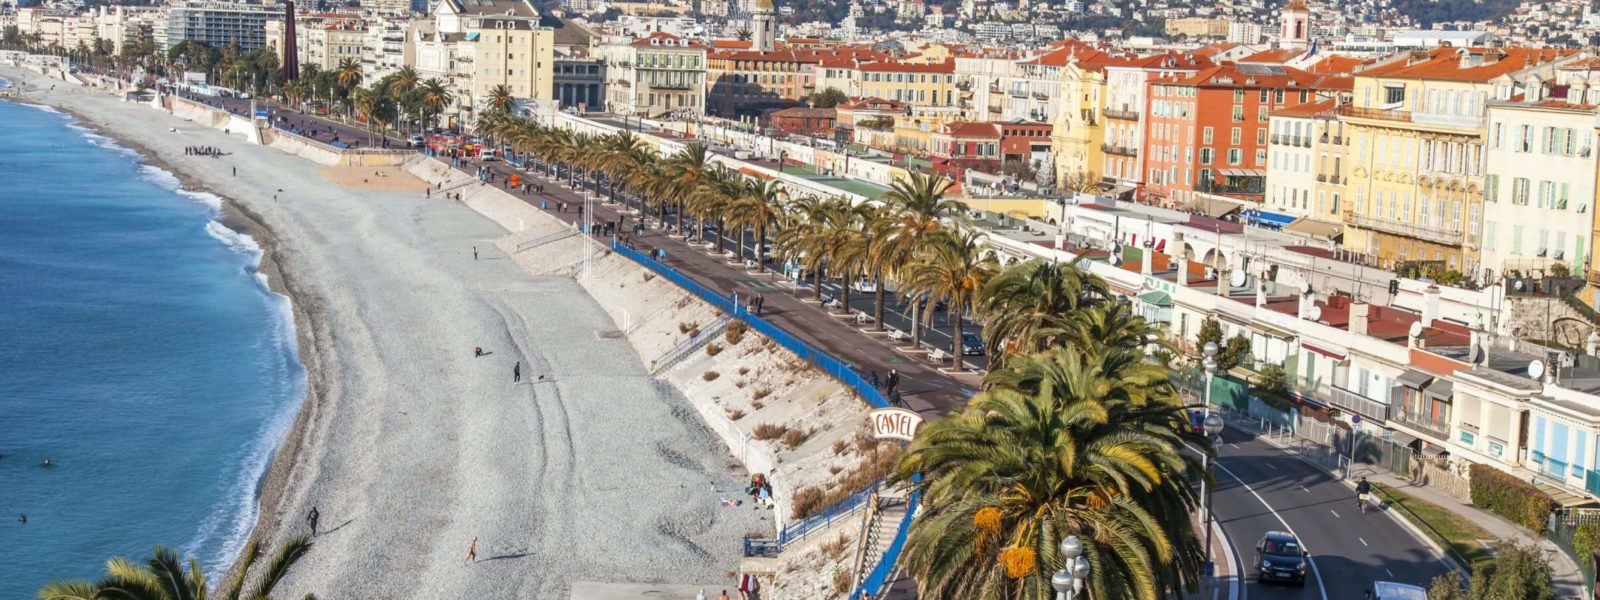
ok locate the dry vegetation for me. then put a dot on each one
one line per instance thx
(769, 431)
(879, 463)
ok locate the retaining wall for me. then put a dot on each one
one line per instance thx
(321, 153)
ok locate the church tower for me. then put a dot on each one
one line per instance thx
(1296, 31)
(764, 26)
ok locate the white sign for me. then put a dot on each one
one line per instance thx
(894, 424)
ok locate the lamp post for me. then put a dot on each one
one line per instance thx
(1213, 429)
(1074, 575)
(1210, 364)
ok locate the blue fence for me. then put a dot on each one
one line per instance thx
(798, 530)
(823, 361)
(879, 576)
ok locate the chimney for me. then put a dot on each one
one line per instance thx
(1180, 260)
(1359, 312)
(1430, 305)
(1307, 300)
(1147, 257)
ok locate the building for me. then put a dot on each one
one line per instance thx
(930, 85)
(1196, 27)
(580, 83)
(1244, 32)
(384, 44)
(655, 75)
(220, 24)
(1417, 157)
(1294, 31)
(514, 54)
(763, 26)
(815, 122)
(1127, 108)
(1078, 130)
(1539, 181)
(750, 82)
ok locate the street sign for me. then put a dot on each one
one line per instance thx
(894, 424)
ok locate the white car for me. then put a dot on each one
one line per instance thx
(415, 141)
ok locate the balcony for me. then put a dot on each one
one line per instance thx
(1322, 178)
(1439, 432)
(1338, 140)
(1125, 115)
(1018, 93)
(1237, 186)
(1277, 139)
(1406, 116)
(1041, 96)
(1350, 401)
(1303, 142)
(1120, 150)
(1449, 237)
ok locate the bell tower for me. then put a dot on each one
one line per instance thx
(764, 25)
(1296, 20)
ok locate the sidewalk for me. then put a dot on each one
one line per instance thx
(924, 387)
(1568, 579)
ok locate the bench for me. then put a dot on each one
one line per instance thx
(937, 356)
(863, 318)
(897, 335)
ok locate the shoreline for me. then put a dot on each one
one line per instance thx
(271, 485)
(357, 379)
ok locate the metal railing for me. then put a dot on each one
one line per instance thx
(1119, 150)
(1435, 430)
(1421, 232)
(878, 578)
(803, 528)
(1347, 400)
(1125, 115)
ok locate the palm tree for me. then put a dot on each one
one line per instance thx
(435, 97)
(918, 210)
(500, 99)
(687, 170)
(710, 199)
(163, 577)
(403, 87)
(757, 207)
(366, 105)
(1067, 444)
(1026, 306)
(804, 238)
(952, 269)
(348, 73)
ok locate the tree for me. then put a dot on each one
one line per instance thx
(163, 577)
(1073, 441)
(500, 99)
(828, 97)
(435, 97)
(1272, 387)
(918, 208)
(952, 269)
(1045, 173)
(1025, 307)
(1517, 572)
(1231, 352)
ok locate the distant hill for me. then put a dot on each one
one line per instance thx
(1428, 12)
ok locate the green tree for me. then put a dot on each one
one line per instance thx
(1517, 572)
(163, 577)
(1073, 441)
(1026, 306)
(1272, 387)
(500, 99)
(918, 208)
(828, 97)
(1231, 352)
(952, 269)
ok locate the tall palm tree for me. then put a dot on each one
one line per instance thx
(348, 73)
(757, 207)
(164, 577)
(710, 199)
(500, 99)
(1025, 307)
(688, 169)
(919, 209)
(1067, 445)
(366, 106)
(435, 97)
(952, 269)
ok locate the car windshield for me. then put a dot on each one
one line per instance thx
(1281, 547)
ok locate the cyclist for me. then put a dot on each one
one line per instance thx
(1363, 489)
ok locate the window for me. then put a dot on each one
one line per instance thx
(1238, 95)
(1205, 135)
(1491, 188)
(1238, 114)
(1495, 135)
(1261, 114)
(1261, 158)
(1488, 234)
(1524, 140)
(1519, 191)
(1235, 136)
(1235, 156)
(1394, 95)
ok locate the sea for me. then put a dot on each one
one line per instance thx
(140, 353)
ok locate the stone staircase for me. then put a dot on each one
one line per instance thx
(878, 533)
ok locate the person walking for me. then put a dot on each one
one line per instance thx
(474, 253)
(472, 551)
(894, 380)
(236, 171)
(312, 518)
(874, 380)
(516, 372)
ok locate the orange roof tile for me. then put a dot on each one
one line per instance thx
(1276, 56)
(1343, 65)
(1452, 64)
(1323, 109)
(971, 129)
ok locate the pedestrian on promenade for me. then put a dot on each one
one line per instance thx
(472, 551)
(312, 518)
(474, 253)
(761, 303)
(874, 379)
(516, 372)
(428, 193)
(894, 380)
(236, 171)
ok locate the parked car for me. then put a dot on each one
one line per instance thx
(971, 344)
(1388, 590)
(415, 141)
(1279, 557)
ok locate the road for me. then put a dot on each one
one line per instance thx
(1262, 488)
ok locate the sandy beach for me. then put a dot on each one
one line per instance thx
(408, 445)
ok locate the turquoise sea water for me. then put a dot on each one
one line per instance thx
(139, 352)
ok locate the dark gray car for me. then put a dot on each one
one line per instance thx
(1279, 557)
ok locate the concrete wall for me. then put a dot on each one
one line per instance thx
(328, 155)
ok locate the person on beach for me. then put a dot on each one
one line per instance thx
(472, 551)
(516, 372)
(312, 518)
(474, 253)
(477, 351)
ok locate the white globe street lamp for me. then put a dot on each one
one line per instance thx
(1071, 579)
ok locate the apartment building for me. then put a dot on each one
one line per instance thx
(1078, 129)
(125, 24)
(655, 75)
(383, 46)
(580, 82)
(1539, 182)
(220, 23)
(1305, 164)
(750, 82)
(928, 85)
(514, 52)
(1417, 157)
(1126, 104)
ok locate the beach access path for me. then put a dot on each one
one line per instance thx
(409, 446)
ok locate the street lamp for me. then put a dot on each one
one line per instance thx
(1210, 364)
(1213, 428)
(1074, 574)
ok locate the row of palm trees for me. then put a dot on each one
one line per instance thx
(382, 104)
(1077, 431)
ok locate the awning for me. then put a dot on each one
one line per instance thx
(1118, 190)
(1442, 389)
(1270, 218)
(1402, 438)
(1242, 172)
(1217, 207)
(472, 36)
(1317, 229)
(1413, 379)
(1156, 298)
(1323, 351)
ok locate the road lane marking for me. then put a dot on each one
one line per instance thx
(1322, 590)
(1303, 489)
(1391, 573)
(1335, 515)
(1271, 466)
(1363, 541)
(1233, 445)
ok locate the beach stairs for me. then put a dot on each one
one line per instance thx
(545, 239)
(687, 347)
(878, 532)
(842, 510)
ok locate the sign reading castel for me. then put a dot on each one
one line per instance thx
(894, 424)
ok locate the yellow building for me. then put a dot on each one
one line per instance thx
(514, 52)
(1416, 165)
(927, 85)
(1076, 131)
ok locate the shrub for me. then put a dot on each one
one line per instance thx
(761, 393)
(1507, 495)
(769, 431)
(834, 548)
(685, 327)
(713, 349)
(1586, 540)
(877, 466)
(710, 375)
(758, 405)
(794, 438)
(744, 370)
(841, 580)
(840, 446)
(735, 414)
(735, 332)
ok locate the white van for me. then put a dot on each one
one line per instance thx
(1388, 590)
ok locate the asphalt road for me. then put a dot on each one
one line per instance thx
(1262, 488)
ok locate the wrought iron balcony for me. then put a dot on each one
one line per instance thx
(1439, 432)
(1347, 400)
(1120, 150)
(1451, 237)
(1125, 115)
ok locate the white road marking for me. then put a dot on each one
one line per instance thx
(1271, 466)
(1363, 541)
(1303, 489)
(1391, 573)
(1321, 589)
(1335, 515)
(1233, 445)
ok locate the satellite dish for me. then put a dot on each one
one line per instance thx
(1315, 314)
(1536, 369)
(1416, 329)
(1565, 359)
(1305, 288)
(1237, 279)
(1475, 355)
(1116, 259)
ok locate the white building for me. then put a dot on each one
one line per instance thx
(655, 75)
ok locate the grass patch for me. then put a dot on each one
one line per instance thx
(1456, 533)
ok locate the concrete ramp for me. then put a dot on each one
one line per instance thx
(589, 590)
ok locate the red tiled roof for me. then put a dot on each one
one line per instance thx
(1449, 64)
(732, 44)
(872, 103)
(1214, 49)
(971, 129)
(1230, 75)
(1276, 56)
(1342, 65)
(1325, 109)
